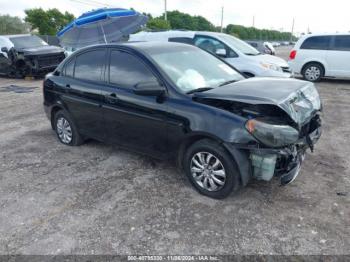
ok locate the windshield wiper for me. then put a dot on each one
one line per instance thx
(227, 82)
(201, 89)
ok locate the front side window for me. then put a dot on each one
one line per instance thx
(89, 65)
(239, 45)
(342, 43)
(126, 70)
(316, 43)
(213, 45)
(192, 68)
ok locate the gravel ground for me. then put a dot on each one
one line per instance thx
(99, 199)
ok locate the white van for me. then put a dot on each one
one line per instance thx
(235, 51)
(316, 56)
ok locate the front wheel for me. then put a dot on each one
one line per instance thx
(210, 169)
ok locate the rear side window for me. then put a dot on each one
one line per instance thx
(127, 70)
(89, 65)
(342, 43)
(317, 43)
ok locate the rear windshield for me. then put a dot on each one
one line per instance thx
(317, 43)
(27, 41)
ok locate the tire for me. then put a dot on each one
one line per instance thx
(206, 147)
(62, 124)
(313, 72)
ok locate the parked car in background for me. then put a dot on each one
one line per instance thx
(22, 55)
(238, 53)
(270, 46)
(321, 55)
(177, 101)
(261, 47)
(276, 44)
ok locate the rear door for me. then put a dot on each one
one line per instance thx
(314, 48)
(133, 120)
(82, 81)
(338, 57)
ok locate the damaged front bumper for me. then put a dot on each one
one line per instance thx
(266, 163)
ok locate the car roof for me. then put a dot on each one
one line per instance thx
(325, 34)
(173, 33)
(144, 46)
(13, 36)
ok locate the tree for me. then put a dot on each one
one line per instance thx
(158, 24)
(12, 25)
(47, 22)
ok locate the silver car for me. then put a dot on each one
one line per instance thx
(238, 53)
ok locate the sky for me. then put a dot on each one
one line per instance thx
(318, 16)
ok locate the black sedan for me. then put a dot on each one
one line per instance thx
(173, 100)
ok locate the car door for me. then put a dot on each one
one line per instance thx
(82, 79)
(217, 47)
(338, 57)
(132, 120)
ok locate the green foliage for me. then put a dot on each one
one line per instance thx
(12, 25)
(179, 20)
(253, 33)
(158, 24)
(47, 22)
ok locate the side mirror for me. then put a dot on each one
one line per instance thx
(4, 49)
(149, 88)
(221, 52)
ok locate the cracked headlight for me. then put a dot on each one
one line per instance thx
(271, 134)
(271, 67)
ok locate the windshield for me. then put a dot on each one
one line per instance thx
(27, 41)
(239, 45)
(192, 68)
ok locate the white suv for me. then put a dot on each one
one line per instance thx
(316, 56)
(234, 51)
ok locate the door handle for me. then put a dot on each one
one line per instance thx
(68, 85)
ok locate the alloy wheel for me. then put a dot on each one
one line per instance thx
(208, 171)
(64, 130)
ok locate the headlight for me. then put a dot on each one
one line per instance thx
(271, 67)
(272, 135)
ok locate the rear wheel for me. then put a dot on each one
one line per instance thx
(313, 72)
(66, 130)
(210, 169)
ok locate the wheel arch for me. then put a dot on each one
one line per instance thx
(241, 159)
(322, 64)
(54, 110)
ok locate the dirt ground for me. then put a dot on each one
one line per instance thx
(99, 199)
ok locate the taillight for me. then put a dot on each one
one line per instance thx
(292, 54)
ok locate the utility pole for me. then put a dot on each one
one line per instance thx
(292, 32)
(222, 19)
(253, 20)
(165, 11)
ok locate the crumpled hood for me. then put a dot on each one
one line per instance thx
(299, 99)
(270, 59)
(41, 50)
